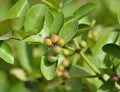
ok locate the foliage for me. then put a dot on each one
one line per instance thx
(60, 46)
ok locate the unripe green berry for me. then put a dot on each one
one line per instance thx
(61, 67)
(52, 59)
(61, 42)
(59, 73)
(48, 41)
(65, 63)
(56, 49)
(83, 43)
(66, 52)
(54, 38)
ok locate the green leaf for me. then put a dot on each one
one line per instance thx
(35, 17)
(52, 3)
(112, 49)
(83, 28)
(6, 53)
(108, 86)
(49, 19)
(23, 56)
(68, 31)
(99, 54)
(58, 21)
(8, 25)
(118, 70)
(119, 17)
(83, 11)
(19, 10)
(48, 69)
(6, 36)
(38, 38)
(77, 71)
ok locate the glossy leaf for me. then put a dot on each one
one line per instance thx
(108, 86)
(35, 17)
(58, 21)
(112, 49)
(19, 10)
(6, 53)
(83, 11)
(68, 31)
(52, 3)
(8, 25)
(77, 71)
(48, 69)
(83, 28)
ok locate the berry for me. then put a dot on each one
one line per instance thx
(56, 49)
(60, 42)
(54, 38)
(48, 41)
(59, 73)
(66, 52)
(52, 59)
(65, 74)
(65, 63)
(114, 77)
(61, 67)
(83, 43)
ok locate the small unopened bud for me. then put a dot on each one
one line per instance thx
(61, 67)
(60, 42)
(52, 59)
(48, 41)
(66, 74)
(114, 77)
(83, 43)
(54, 38)
(65, 63)
(56, 49)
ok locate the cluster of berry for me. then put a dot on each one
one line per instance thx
(62, 69)
(55, 43)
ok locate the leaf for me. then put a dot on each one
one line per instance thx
(119, 17)
(23, 56)
(83, 11)
(6, 53)
(108, 86)
(77, 71)
(6, 36)
(112, 49)
(38, 38)
(98, 53)
(83, 28)
(19, 10)
(48, 69)
(22, 34)
(35, 17)
(52, 3)
(58, 21)
(118, 70)
(68, 31)
(8, 25)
